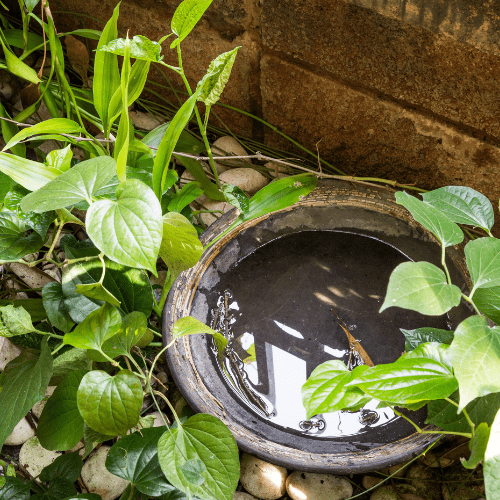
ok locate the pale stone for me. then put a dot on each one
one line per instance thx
(6, 91)
(8, 352)
(48, 146)
(208, 218)
(145, 121)
(424, 481)
(385, 493)
(12, 286)
(274, 168)
(371, 481)
(247, 179)
(432, 460)
(33, 457)
(261, 479)
(411, 496)
(158, 420)
(32, 276)
(310, 486)
(240, 495)
(98, 480)
(229, 146)
(21, 433)
(38, 408)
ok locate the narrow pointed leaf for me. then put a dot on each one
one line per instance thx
(97, 291)
(128, 231)
(30, 174)
(77, 184)
(9, 130)
(191, 326)
(18, 67)
(462, 205)
(110, 405)
(475, 354)
(445, 230)
(185, 18)
(61, 426)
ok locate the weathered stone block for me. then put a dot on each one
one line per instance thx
(366, 135)
(410, 65)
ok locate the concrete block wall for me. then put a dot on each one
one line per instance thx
(402, 89)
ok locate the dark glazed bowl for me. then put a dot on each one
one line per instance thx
(335, 206)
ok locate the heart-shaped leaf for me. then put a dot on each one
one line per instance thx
(92, 438)
(58, 488)
(23, 384)
(60, 159)
(97, 327)
(422, 335)
(129, 230)
(14, 321)
(407, 381)
(475, 354)
(191, 326)
(421, 287)
(14, 243)
(110, 405)
(70, 361)
(185, 17)
(487, 300)
(491, 467)
(445, 230)
(205, 438)
(131, 331)
(57, 312)
(462, 205)
(193, 470)
(135, 458)
(68, 466)
(15, 489)
(77, 184)
(483, 260)
(213, 83)
(236, 197)
(180, 246)
(479, 443)
(61, 425)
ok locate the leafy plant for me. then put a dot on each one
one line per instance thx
(457, 374)
(99, 316)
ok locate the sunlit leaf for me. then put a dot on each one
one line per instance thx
(185, 17)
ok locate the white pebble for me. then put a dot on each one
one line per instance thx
(213, 205)
(33, 457)
(247, 179)
(38, 408)
(98, 479)
(145, 121)
(309, 486)
(21, 433)
(229, 146)
(8, 352)
(262, 479)
(240, 495)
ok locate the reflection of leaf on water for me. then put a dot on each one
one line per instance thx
(252, 356)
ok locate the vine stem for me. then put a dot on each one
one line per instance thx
(466, 415)
(443, 263)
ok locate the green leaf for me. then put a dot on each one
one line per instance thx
(85, 496)
(445, 230)
(33, 306)
(23, 385)
(141, 47)
(92, 438)
(487, 300)
(276, 196)
(57, 312)
(15, 489)
(422, 335)
(15, 38)
(475, 354)
(185, 196)
(407, 381)
(130, 286)
(325, 390)
(236, 197)
(30, 174)
(432, 350)
(205, 438)
(9, 130)
(483, 260)
(131, 331)
(491, 467)
(14, 321)
(77, 184)
(444, 414)
(191, 326)
(18, 67)
(106, 73)
(212, 84)
(110, 405)
(167, 145)
(68, 362)
(135, 459)
(421, 287)
(57, 489)
(67, 466)
(477, 446)
(53, 125)
(185, 17)
(462, 205)
(97, 291)
(193, 470)
(5, 186)
(61, 425)
(95, 329)
(31, 4)
(180, 246)
(60, 159)
(128, 231)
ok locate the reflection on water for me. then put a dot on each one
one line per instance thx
(297, 302)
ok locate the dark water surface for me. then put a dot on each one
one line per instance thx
(281, 325)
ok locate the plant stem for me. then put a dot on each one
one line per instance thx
(443, 263)
(55, 238)
(470, 301)
(166, 288)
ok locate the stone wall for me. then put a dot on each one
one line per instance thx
(401, 89)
